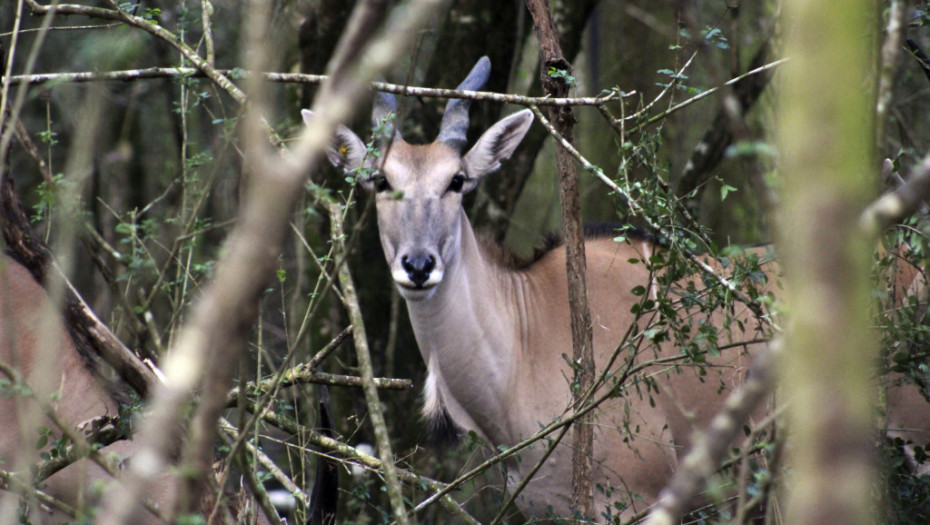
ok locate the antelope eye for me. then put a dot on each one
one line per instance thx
(381, 183)
(457, 183)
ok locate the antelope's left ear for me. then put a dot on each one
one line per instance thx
(346, 150)
(496, 144)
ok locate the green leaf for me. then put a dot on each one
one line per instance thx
(725, 190)
(191, 519)
(652, 334)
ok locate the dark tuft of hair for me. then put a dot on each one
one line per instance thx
(442, 432)
(552, 240)
(599, 230)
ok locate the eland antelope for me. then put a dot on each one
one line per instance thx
(35, 343)
(494, 336)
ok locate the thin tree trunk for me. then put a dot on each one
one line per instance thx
(582, 352)
(826, 140)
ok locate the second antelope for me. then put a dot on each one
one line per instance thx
(35, 343)
(494, 336)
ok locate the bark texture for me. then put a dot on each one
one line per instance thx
(826, 142)
(582, 338)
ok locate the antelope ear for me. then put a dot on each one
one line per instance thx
(346, 150)
(497, 144)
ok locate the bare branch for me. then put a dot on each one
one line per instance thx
(668, 88)
(129, 75)
(154, 29)
(206, 9)
(301, 375)
(11, 482)
(758, 309)
(711, 91)
(356, 457)
(920, 56)
(268, 464)
(364, 361)
(11, 111)
(713, 145)
(711, 447)
(891, 50)
(900, 203)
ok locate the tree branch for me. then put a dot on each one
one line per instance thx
(891, 49)
(713, 444)
(153, 29)
(364, 363)
(356, 457)
(556, 86)
(757, 308)
(710, 150)
(898, 204)
(921, 57)
(90, 335)
(129, 75)
(301, 375)
(685, 103)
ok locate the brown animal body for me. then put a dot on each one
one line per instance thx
(34, 342)
(494, 338)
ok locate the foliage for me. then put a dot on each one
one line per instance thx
(566, 77)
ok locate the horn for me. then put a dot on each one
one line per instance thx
(454, 127)
(385, 104)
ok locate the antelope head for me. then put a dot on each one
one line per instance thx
(419, 188)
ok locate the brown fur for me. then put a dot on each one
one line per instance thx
(33, 341)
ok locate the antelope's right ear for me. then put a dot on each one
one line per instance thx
(346, 150)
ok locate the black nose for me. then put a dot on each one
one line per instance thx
(418, 268)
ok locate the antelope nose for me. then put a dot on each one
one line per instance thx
(418, 268)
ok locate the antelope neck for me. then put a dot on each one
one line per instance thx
(466, 334)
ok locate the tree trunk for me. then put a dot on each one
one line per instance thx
(826, 141)
(582, 336)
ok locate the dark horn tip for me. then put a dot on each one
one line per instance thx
(484, 62)
(478, 75)
(454, 124)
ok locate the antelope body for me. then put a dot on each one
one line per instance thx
(494, 338)
(34, 342)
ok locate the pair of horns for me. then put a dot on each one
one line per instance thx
(454, 126)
